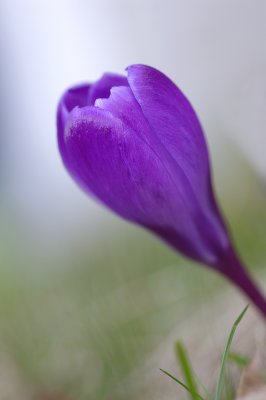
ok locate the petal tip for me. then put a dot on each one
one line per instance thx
(132, 67)
(140, 70)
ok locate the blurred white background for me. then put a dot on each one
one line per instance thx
(214, 50)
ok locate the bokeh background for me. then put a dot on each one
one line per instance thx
(90, 305)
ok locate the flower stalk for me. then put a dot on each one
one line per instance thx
(233, 269)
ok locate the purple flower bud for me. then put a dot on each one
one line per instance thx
(136, 144)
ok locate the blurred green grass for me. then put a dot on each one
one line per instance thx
(88, 325)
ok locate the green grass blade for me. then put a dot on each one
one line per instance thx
(239, 359)
(229, 387)
(187, 370)
(219, 387)
(180, 383)
(207, 394)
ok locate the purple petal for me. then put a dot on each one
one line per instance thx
(124, 106)
(74, 97)
(85, 95)
(101, 88)
(109, 158)
(104, 155)
(173, 120)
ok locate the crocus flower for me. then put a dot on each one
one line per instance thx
(136, 144)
